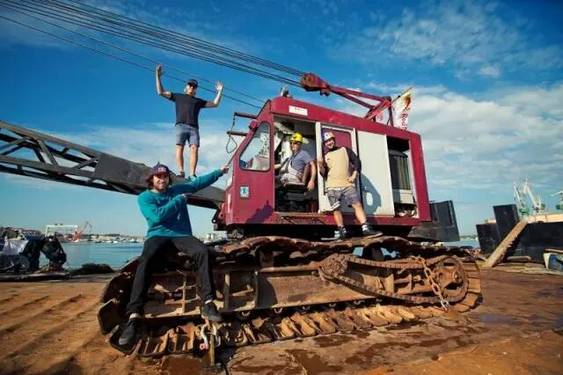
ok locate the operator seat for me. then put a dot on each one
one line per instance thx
(294, 197)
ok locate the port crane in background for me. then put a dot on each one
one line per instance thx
(523, 190)
(559, 205)
(80, 231)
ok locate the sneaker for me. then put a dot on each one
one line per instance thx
(191, 178)
(129, 335)
(182, 174)
(341, 233)
(367, 230)
(209, 312)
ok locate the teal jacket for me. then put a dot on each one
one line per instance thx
(166, 213)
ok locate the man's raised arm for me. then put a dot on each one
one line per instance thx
(217, 100)
(159, 89)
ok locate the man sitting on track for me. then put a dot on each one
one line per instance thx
(169, 229)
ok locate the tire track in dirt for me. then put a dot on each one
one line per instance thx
(16, 323)
(16, 309)
(75, 328)
(39, 323)
(9, 298)
(93, 353)
(77, 346)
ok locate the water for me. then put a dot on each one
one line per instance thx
(116, 255)
(472, 243)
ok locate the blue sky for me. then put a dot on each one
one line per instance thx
(488, 81)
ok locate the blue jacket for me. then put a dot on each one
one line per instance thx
(166, 213)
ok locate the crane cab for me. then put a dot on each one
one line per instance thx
(392, 183)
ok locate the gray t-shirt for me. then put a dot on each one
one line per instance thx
(300, 160)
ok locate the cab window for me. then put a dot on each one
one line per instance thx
(256, 155)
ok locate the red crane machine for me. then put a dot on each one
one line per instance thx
(275, 276)
(392, 184)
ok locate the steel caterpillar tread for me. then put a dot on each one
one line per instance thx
(259, 326)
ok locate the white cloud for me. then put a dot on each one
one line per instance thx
(485, 145)
(147, 144)
(475, 148)
(490, 71)
(467, 36)
(151, 143)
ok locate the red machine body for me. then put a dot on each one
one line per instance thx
(392, 183)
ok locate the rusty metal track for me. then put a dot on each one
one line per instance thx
(266, 325)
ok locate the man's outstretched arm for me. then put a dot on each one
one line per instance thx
(200, 182)
(159, 89)
(217, 100)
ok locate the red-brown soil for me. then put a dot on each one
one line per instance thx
(51, 327)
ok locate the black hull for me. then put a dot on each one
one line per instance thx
(535, 238)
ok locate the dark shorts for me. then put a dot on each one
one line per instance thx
(347, 194)
(188, 133)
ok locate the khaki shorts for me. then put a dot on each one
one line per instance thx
(347, 194)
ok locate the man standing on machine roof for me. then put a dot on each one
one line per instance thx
(187, 118)
(341, 166)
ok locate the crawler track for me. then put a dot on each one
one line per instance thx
(417, 285)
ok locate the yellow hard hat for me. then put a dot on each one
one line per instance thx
(296, 137)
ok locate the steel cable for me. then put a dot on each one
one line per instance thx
(111, 55)
(19, 10)
(198, 41)
(79, 20)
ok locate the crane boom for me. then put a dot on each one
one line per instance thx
(312, 82)
(30, 153)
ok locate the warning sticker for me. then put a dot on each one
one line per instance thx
(298, 110)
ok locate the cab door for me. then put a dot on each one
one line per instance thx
(377, 191)
(345, 137)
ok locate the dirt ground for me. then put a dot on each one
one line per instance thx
(51, 327)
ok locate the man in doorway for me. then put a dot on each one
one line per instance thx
(169, 229)
(187, 118)
(341, 166)
(300, 166)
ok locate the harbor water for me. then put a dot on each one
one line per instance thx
(118, 254)
(114, 254)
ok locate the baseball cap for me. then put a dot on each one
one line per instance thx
(192, 82)
(158, 169)
(327, 136)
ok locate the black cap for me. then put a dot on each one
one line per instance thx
(192, 82)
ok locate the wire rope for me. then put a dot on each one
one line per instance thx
(162, 44)
(19, 10)
(73, 42)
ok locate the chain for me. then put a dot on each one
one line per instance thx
(432, 278)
